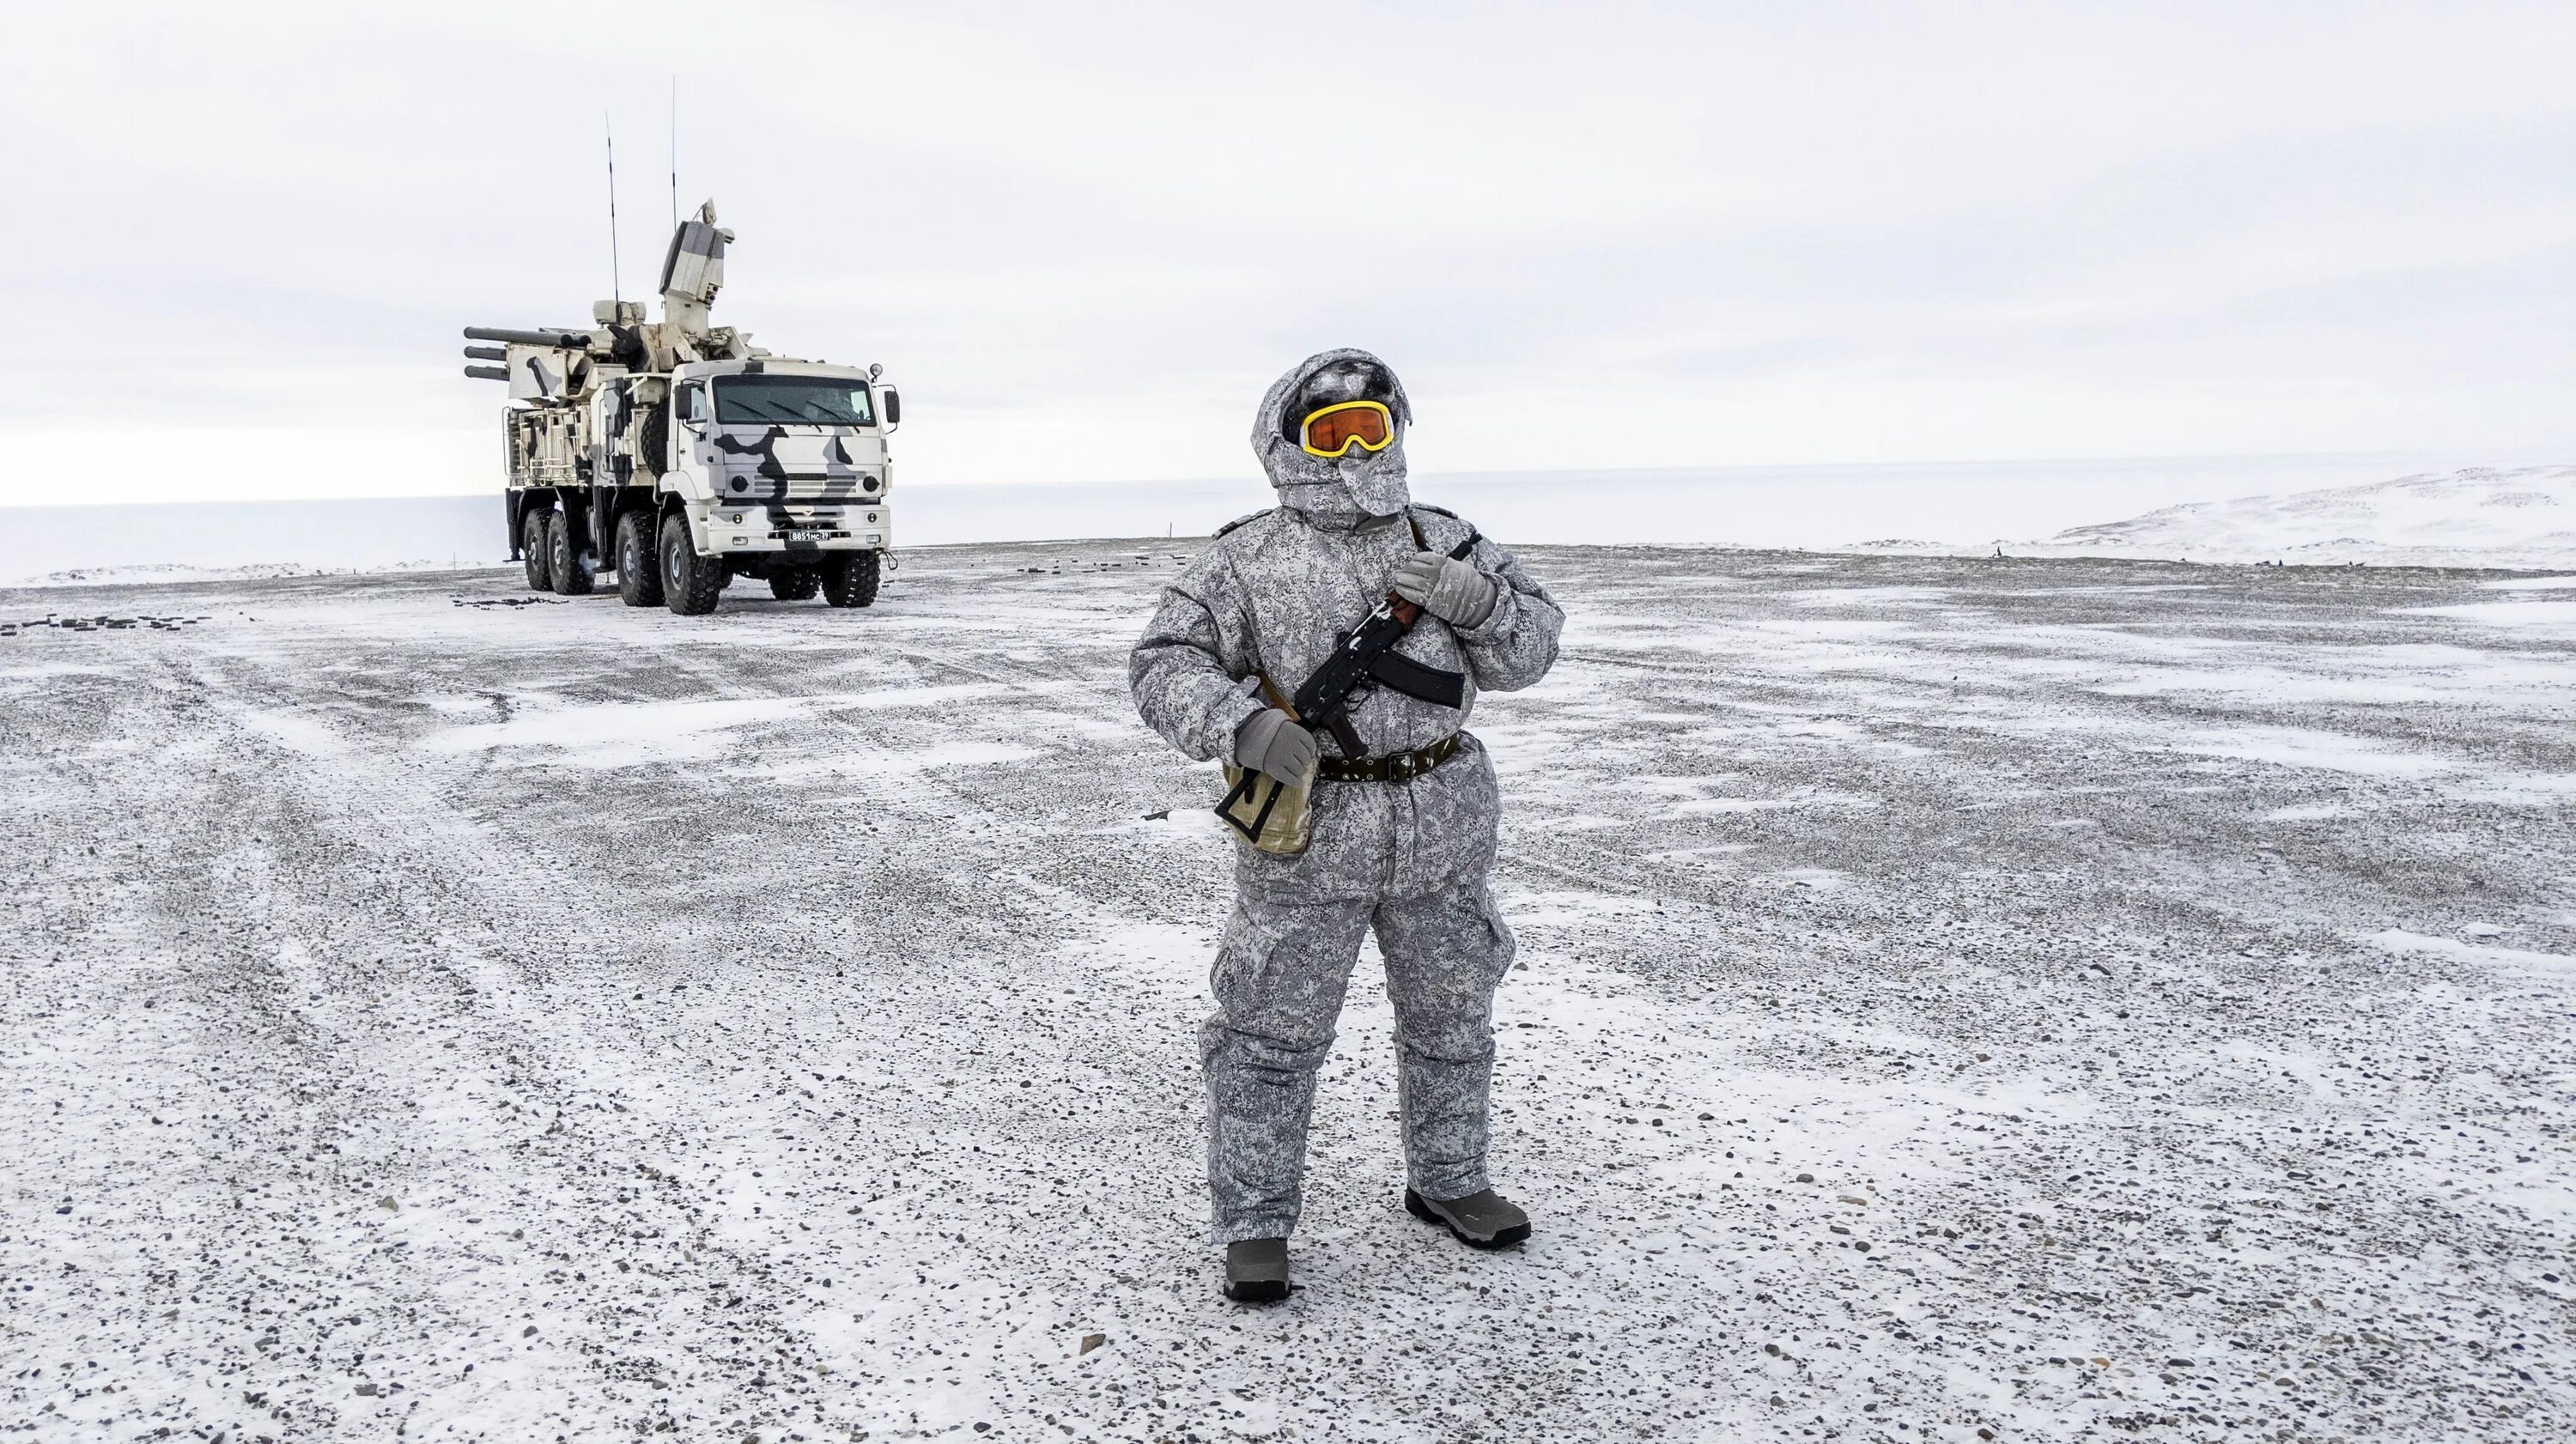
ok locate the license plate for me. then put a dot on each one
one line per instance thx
(808, 536)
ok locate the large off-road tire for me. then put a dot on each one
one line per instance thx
(690, 582)
(796, 586)
(850, 579)
(639, 570)
(567, 564)
(532, 546)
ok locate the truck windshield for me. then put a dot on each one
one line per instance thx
(793, 400)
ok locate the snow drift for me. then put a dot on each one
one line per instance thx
(2517, 517)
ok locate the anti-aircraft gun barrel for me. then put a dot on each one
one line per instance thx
(566, 340)
(487, 373)
(486, 353)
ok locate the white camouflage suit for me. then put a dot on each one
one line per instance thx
(1408, 859)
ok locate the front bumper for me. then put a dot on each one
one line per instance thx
(791, 526)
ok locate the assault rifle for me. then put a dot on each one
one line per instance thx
(1366, 654)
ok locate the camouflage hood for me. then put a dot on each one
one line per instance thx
(1343, 489)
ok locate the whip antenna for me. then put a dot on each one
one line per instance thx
(616, 288)
(675, 152)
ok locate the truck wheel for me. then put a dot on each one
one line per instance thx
(795, 586)
(850, 579)
(689, 581)
(639, 571)
(566, 563)
(532, 545)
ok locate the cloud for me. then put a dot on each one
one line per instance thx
(1734, 234)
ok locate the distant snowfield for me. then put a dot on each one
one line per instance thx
(2332, 509)
(2521, 517)
(2045, 999)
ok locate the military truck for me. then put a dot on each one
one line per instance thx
(680, 456)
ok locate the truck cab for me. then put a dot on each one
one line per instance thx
(774, 464)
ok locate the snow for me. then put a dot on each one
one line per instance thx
(2146, 962)
(2556, 616)
(1967, 507)
(2480, 516)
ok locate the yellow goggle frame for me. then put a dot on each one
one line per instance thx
(1349, 432)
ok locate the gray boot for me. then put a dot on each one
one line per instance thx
(1256, 1270)
(1483, 1219)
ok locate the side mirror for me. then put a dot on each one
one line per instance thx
(693, 406)
(891, 401)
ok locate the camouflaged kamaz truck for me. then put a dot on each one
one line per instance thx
(680, 456)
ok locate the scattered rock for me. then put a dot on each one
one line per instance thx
(1091, 1342)
(1806, 1178)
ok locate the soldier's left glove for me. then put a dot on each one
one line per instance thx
(1447, 588)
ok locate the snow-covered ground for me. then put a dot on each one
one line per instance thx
(2027, 999)
(2512, 517)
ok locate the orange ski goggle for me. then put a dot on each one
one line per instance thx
(1335, 429)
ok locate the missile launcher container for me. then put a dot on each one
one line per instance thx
(679, 456)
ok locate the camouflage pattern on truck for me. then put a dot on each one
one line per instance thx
(680, 456)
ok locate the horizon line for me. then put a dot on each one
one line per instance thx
(2502, 456)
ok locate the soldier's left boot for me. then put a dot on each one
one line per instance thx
(1484, 1219)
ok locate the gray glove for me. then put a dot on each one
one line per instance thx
(1271, 742)
(1452, 590)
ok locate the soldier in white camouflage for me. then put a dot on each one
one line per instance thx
(1402, 834)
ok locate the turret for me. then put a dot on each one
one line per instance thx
(555, 365)
(693, 271)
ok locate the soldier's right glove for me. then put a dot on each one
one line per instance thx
(1271, 742)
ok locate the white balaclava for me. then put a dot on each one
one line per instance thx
(1335, 491)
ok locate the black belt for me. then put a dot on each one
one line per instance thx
(1394, 767)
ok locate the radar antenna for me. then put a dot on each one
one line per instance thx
(616, 287)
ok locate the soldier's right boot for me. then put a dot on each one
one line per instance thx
(1483, 1219)
(1256, 1270)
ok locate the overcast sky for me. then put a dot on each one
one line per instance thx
(240, 240)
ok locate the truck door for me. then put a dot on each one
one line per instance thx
(690, 413)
